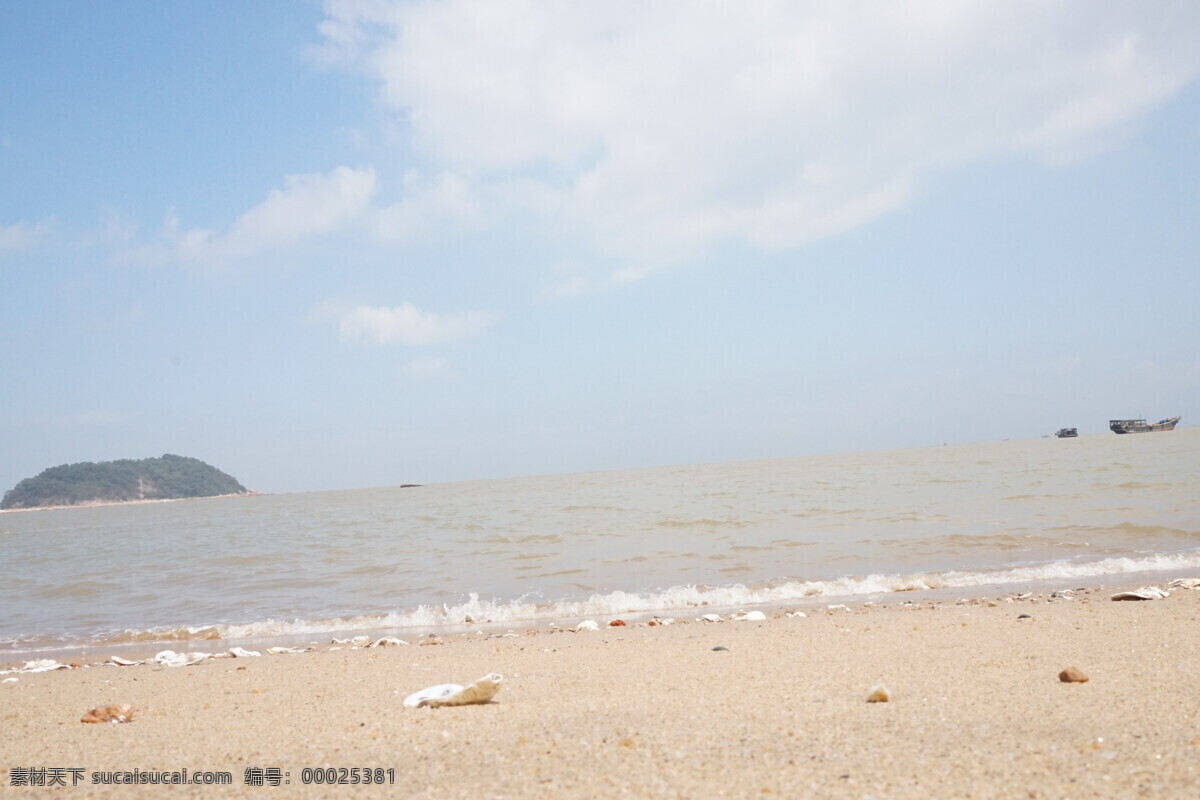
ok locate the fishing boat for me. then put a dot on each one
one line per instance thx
(1141, 426)
(1066, 433)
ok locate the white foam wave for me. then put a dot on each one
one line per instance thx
(475, 612)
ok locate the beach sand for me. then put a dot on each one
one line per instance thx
(977, 709)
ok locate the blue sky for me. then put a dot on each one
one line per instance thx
(365, 243)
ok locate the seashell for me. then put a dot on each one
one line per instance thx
(169, 658)
(709, 618)
(1144, 593)
(123, 662)
(795, 614)
(1185, 583)
(10, 680)
(280, 650)
(237, 652)
(42, 665)
(451, 694)
(616, 623)
(1072, 675)
(587, 625)
(360, 641)
(879, 694)
(387, 641)
(122, 713)
(749, 616)
(837, 607)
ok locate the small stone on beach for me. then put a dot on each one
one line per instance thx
(1072, 675)
(721, 647)
(879, 694)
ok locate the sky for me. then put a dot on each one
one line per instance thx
(364, 243)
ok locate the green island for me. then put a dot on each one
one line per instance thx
(128, 480)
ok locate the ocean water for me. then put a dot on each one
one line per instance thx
(564, 547)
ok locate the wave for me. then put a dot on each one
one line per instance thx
(477, 612)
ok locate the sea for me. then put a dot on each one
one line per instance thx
(556, 549)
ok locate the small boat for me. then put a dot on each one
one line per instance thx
(1141, 426)
(1066, 433)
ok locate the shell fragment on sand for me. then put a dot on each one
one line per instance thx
(1185, 583)
(237, 652)
(357, 641)
(124, 662)
(43, 665)
(1072, 675)
(587, 625)
(114, 714)
(275, 651)
(387, 641)
(749, 616)
(451, 694)
(879, 694)
(1144, 593)
(169, 658)
(709, 618)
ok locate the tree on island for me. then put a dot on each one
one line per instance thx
(168, 478)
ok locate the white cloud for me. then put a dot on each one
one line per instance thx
(404, 324)
(22, 235)
(426, 203)
(654, 131)
(308, 205)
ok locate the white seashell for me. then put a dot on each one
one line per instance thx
(169, 658)
(795, 614)
(237, 652)
(361, 641)
(387, 641)
(1185, 583)
(124, 662)
(275, 651)
(10, 680)
(710, 618)
(587, 625)
(451, 694)
(837, 607)
(42, 665)
(750, 616)
(1144, 593)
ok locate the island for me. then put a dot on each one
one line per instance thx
(170, 477)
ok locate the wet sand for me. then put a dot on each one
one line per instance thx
(977, 709)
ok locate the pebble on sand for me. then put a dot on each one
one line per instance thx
(879, 694)
(1072, 675)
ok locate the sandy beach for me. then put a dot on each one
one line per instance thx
(976, 710)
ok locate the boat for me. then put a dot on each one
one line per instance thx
(1141, 426)
(1066, 433)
